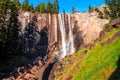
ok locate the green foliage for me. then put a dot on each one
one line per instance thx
(49, 8)
(76, 22)
(37, 8)
(30, 8)
(106, 13)
(70, 65)
(25, 6)
(106, 26)
(17, 3)
(64, 11)
(109, 34)
(55, 6)
(98, 64)
(8, 29)
(90, 8)
(4, 0)
(14, 62)
(97, 10)
(73, 10)
(101, 15)
(114, 7)
(42, 7)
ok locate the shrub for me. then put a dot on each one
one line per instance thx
(75, 22)
(106, 26)
(97, 10)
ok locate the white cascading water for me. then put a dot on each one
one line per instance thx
(67, 45)
(71, 39)
(63, 34)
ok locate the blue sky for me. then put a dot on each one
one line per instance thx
(81, 5)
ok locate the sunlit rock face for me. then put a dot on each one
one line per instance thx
(63, 33)
(90, 25)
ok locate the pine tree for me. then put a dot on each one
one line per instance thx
(64, 11)
(24, 5)
(56, 6)
(8, 29)
(91, 9)
(73, 10)
(17, 3)
(30, 8)
(4, 0)
(114, 7)
(42, 7)
(49, 8)
(37, 8)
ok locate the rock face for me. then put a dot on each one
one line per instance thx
(90, 25)
(65, 32)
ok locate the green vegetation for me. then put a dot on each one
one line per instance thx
(11, 63)
(73, 10)
(8, 29)
(106, 26)
(64, 11)
(102, 14)
(76, 22)
(90, 9)
(42, 7)
(114, 8)
(109, 34)
(48, 8)
(17, 3)
(55, 6)
(98, 64)
(70, 65)
(106, 13)
(25, 6)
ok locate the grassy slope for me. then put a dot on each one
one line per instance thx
(99, 63)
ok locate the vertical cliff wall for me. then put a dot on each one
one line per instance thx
(62, 33)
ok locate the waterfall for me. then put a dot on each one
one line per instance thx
(63, 47)
(63, 34)
(71, 39)
(67, 45)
